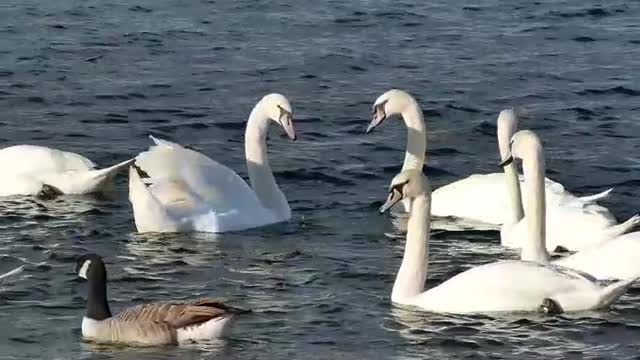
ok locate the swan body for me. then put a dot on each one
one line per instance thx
(613, 258)
(505, 286)
(188, 191)
(571, 229)
(27, 168)
(489, 190)
(515, 286)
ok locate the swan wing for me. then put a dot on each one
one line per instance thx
(29, 159)
(613, 259)
(214, 183)
(188, 191)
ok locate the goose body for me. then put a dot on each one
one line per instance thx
(158, 323)
(26, 169)
(614, 257)
(504, 286)
(188, 191)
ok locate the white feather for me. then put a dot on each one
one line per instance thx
(210, 330)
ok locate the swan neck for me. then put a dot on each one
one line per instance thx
(507, 125)
(416, 137)
(413, 270)
(535, 248)
(514, 194)
(260, 175)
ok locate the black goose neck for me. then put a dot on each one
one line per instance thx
(97, 305)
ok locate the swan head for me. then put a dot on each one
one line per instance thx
(523, 144)
(391, 103)
(406, 185)
(507, 125)
(278, 109)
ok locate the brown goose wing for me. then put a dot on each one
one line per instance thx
(176, 314)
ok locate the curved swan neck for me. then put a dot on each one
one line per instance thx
(260, 175)
(514, 193)
(413, 270)
(535, 247)
(416, 137)
(512, 180)
(507, 125)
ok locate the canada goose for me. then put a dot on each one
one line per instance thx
(157, 323)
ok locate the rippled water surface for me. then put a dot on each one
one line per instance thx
(97, 77)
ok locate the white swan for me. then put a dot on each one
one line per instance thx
(571, 222)
(190, 192)
(504, 286)
(613, 258)
(30, 170)
(484, 198)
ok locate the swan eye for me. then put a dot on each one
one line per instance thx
(399, 188)
(379, 107)
(284, 114)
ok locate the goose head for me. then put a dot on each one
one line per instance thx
(90, 266)
(278, 109)
(408, 184)
(523, 144)
(393, 102)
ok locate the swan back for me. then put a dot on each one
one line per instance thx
(25, 159)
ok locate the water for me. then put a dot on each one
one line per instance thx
(97, 77)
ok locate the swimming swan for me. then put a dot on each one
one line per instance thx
(188, 191)
(609, 258)
(480, 197)
(158, 323)
(504, 286)
(36, 170)
(571, 223)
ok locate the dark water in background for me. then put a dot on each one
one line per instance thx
(97, 77)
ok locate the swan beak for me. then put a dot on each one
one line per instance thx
(287, 124)
(507, 162)
(378, 117)
(394, 197)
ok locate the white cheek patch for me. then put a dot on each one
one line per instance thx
(83, 270)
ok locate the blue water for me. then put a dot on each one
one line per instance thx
(97, 77)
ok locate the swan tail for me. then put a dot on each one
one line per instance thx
(614, 291)
(596, 197)
(625, 227)
(91, 181)
(148, 213)
(112, 170)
